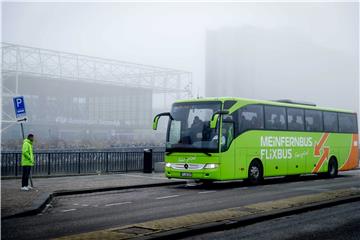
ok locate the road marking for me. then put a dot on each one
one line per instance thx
(114, 204)
(68, 210)
(171, 196)
(75, 204)
(140, 176)
(315, 188)
(204, 192)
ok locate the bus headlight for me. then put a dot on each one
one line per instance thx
(168, 164)
(211, 166)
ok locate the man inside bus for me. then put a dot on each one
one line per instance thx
(227, 133)
(244, 123)
(197, 129)
(277, 122)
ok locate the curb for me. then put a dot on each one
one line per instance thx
(55, 176)
(244, 221)
(37, 206)
(44, 199)
(70, 175)
(101, 174)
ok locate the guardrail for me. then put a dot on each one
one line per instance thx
(77, 162)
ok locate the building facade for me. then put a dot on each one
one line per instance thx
(76, 101)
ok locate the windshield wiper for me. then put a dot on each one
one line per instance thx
(206, 153)
(168, 152)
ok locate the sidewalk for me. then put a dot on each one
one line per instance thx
(14, 201)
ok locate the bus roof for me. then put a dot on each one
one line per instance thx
(246, 101)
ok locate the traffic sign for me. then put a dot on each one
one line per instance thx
(19, 105)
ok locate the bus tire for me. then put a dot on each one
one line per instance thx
(332, 168)
(255, 172)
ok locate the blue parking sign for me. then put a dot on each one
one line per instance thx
(19, 105)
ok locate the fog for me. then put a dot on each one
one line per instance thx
(302, 51)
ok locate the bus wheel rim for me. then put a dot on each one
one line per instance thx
(254, 171)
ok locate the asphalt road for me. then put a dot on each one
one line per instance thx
(89, 212)
(339, 222)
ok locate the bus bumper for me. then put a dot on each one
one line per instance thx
(204, 174)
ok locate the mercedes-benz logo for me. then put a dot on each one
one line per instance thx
(186, 166)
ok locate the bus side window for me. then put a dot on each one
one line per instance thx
(330, 122)
(313, 120)
(250, 117)
(347, 123)
(275, 118)
(295, 117)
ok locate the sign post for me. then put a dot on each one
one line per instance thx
(20, 112)
(22, 130)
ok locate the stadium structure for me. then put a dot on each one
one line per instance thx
(76, 98)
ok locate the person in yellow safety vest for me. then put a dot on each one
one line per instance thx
(27, 161)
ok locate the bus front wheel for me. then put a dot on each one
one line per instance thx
(255, 173)
(332, 168)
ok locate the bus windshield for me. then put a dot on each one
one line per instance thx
(190, 128)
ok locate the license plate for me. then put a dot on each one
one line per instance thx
(186, 174)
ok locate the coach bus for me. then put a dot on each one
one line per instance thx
(234, 138)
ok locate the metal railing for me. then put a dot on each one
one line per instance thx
(77, 162)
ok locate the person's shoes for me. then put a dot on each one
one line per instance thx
(29, 187)
(25, 189)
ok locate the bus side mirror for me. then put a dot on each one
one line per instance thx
(155, 122)
(213, 121)
(215, 117)
(157, 117)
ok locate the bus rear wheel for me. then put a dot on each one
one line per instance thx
(255, 173)
(332, 168)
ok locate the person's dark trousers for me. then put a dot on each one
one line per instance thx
(25, 176)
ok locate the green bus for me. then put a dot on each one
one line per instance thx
(216, 139)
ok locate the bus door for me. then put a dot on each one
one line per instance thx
(228, 149)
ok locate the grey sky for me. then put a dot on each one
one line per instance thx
(170, 34)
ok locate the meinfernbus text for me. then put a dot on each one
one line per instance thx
(257, 139)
